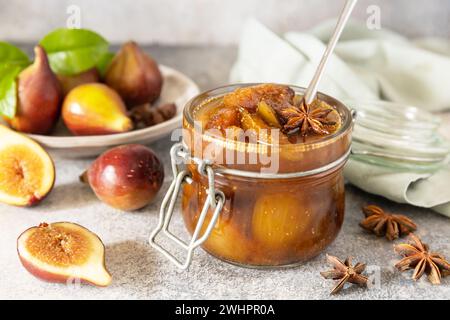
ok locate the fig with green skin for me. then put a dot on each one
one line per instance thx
(126, 177)
(134, 75)
(39, 97)
(95, 109)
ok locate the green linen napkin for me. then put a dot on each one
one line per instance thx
(367, 65)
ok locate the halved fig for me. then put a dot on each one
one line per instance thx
(62, 251)
(27, 173)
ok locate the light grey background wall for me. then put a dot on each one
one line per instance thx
(208, 21)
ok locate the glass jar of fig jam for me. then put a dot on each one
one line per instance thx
(254, 193)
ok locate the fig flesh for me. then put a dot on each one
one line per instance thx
(27, 173)
(63, 252)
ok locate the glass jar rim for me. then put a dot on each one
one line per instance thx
(344, 111)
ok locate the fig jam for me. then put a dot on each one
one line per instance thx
(284, 191)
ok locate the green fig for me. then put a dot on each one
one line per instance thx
(94, 109)
(39, 97)
(134, 75)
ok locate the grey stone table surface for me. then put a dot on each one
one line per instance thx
(139, 272)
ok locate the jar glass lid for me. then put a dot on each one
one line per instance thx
(399, 136)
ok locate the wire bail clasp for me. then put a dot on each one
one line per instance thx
(214, 200)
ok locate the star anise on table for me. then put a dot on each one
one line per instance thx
(382, 223)
(345, 272)
(305, 118)
(418, 257)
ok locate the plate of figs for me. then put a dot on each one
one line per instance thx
(136, 100)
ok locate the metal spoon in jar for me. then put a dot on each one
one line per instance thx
(311, 91)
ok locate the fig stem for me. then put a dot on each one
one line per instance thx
(84, 177)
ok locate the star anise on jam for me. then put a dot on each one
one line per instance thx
(382, 223)
(305, 118)
(345, 272)
(418, 257)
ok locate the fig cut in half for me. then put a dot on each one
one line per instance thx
(63, 252)
(27, 173)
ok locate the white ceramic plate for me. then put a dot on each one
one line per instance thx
(177, 88)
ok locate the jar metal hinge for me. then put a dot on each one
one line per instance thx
(215, 200)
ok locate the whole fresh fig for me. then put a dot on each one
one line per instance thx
(39, 97)
(126, 177)
(134, 75)
(69, 82)
(95, 109)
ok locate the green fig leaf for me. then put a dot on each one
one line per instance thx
(8, 89)
(71, 51)
(11, 55)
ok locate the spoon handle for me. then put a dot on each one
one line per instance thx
(311, 91)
